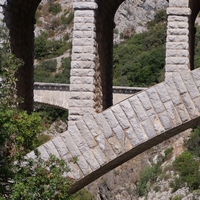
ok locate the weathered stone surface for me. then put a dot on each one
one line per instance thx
(127, 108)
(89, 157)
(162, 92)
(146, 103)
(191, 86)
(60, 146)
(89, 139)
(138, 108)
(103, 125)
(155, 100)
(121, 117)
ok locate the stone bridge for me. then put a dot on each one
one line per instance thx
(58, 94)
(103, 136)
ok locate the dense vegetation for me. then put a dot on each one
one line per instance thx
(186, 169)
(21, 177)
(140, 60)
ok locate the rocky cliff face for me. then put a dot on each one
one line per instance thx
(132, 16)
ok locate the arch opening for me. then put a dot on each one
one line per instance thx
(105, 27)
(195, 8)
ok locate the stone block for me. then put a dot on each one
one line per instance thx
(177, 60)
(172, 113)
(158, 127)
(81, 80)
(71, 145)
(138, 108)
(110, 118)
(84, 166)
(83, 103)
(177, 25)
(183, 114)
(177, 46)
(193, 112)
(144, 99)
(82, 72)
(89, 157)
(51, 149)
(172, 91)
(84, 13)
(81, 87)
(43, 152)
(162, 92)
(83, 65)
(83, 57)
(120, 116)
(177, 53)
(115, 145)
(132, 137)
(178, 32)
(155, 100)
(127, 108)
(84, 20)
(60, 146)
(76, 136)
(148, 128)
(165, 120)
(103, 125)
(174, 18)
(105, 147)
(120, 134)
(86, 134)
(178, 11)
(92, 125)
(196, 75)
(179, 83)
(85, 6)
(180, 3)
(138, 130)
(190, 84)
(84, 27)
(99, 155)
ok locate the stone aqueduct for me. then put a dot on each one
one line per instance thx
(103, 136)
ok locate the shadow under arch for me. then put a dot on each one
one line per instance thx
(104, 36)
(194, 5)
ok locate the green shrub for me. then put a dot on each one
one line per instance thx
(43, 71)
(50, 113)
(147, 176)
(67, 20)
(168, 153)
(83, 195)
(54, 8)
(42, 138)
(44, 48)
(188, 168)
(140, 60)
(193, 143)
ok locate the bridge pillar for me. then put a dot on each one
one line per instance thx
(84, 62)
(177, 44)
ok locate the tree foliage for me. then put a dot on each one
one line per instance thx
(140, 60)
(21, 177)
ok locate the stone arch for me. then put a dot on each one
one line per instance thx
(20, 20)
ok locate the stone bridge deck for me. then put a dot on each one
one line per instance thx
(58, 95)
(106, 140)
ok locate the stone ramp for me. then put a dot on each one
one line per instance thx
(108, 139)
